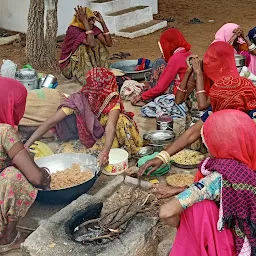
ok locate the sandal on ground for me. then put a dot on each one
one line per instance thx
(170, 19)
(195, 21)
(125, 54)
(9, 247)
(116, 56)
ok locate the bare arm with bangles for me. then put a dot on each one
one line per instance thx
(186, 139)
(39, 177)
(82, 16)
(110, 132)
(202, 99)
(105, 37)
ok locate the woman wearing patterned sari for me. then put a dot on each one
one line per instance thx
(228, 179)
(85, 45)
(19, 175)
(96, 117)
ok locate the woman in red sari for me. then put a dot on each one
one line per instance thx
(85, 45)
(96, 117)
(175, 50)
(229, 179)
(229, 91)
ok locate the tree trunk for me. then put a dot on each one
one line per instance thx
(41, 39)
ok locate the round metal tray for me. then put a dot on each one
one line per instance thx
(159, 137)
(183, 166)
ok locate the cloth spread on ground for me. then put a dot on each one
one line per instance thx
(143, 64)
(164, 104)
(13, 101)
(41, 104)
(130, 89)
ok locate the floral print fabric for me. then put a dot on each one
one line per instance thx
(207, 188)
(16, 193)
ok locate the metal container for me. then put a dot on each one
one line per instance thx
(129, 68)
(159, 138)
(28, 77)
(49, 79)
(60, 162)
(240, 60)
(164, 122)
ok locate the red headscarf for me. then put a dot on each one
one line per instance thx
(171, 40)
(102, 91)
(13, 97)
(229, 91)
(231, 134)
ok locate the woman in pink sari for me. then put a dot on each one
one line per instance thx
(229, 182)
(234, 35)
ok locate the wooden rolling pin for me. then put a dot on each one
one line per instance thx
(137, 182)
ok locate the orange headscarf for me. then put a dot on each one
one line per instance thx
(77, 23)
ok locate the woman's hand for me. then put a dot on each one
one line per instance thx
(46, 178)
(135, 99)
(154, 164)
(189, 58)
(98, 17)
(197, 65)
(81, 14)
(165, 191)
(103, 159)
(239, 32)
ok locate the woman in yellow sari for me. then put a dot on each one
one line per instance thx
(85, 45)
(96, 117)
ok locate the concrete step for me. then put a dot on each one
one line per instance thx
(125, 18)
(142, 29)
(110, 6)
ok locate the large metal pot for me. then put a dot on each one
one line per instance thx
(129, 68)
(28, 77)
(59, 162)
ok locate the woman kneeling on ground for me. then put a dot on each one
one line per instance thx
(96, 117)
(229, 181)
(175, 50)
(229, 91)
(19, 175)
(85, 45)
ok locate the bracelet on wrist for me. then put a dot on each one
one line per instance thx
(164, 157)
(89, 32)
(181, 90)
(201, 91)
(252, 47)
(106, 33)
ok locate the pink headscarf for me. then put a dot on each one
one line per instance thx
(226, 32)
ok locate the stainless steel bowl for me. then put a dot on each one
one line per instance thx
(129, 68)
(159, 137)
(240, 60)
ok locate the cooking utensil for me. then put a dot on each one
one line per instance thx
(129, 68)
(60, 162)
(49, 79)
(28, 77)
(118, 162)
(145, 151)
(240, 60)
(164, 122)
(159, 137)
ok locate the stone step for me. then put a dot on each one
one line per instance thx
(109, 6)
(142, 29)
(125, 18)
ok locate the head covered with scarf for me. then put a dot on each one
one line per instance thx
(98, 96)
(230, 138)
(77, 23)
(13, 97)
(229, 91)
(171, 40)
(225, 33)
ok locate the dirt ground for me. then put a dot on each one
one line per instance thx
(199, 35)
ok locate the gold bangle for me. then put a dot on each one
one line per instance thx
(106, 33)
(166, 156)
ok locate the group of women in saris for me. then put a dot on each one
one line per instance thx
(228, 176)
